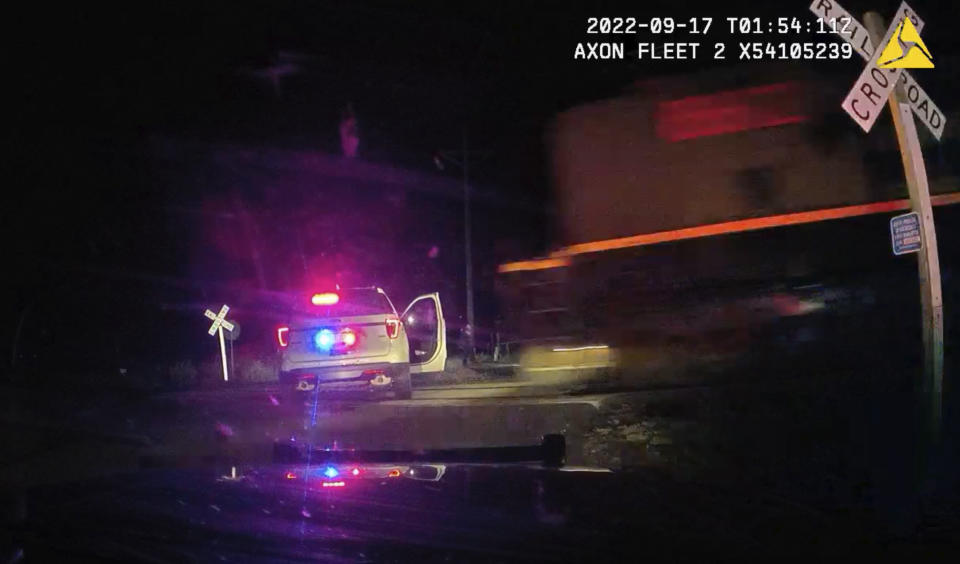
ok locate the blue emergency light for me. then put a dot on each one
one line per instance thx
(324, 339)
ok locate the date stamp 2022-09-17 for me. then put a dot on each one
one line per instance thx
(738, 38)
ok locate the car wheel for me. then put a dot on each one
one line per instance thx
(402, 386)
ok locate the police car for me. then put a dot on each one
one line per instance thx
(354, 339)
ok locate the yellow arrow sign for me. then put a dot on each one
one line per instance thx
(905, 50)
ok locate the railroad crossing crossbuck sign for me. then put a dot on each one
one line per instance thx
(885, 82)
(216, 328)
(883, 76)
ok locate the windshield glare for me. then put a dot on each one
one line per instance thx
(666, 279)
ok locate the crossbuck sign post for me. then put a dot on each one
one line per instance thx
(879, 83)
(216, 328)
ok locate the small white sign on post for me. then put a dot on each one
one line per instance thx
(905, 233)
(216, 328)
(872, 89)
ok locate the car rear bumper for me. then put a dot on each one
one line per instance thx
(364, 376)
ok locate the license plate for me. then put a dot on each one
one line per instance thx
(381, 380)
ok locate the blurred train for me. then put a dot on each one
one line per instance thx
(703, 228)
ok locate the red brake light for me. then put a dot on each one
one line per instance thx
(348, 337)
(395, 473)
(282, 336)
(393, 327)
(325, 299)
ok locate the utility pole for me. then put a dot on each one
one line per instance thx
(467, 246)
(464, 163)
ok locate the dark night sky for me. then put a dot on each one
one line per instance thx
(94, 81)
(415, 71)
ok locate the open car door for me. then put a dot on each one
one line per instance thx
(426, 333)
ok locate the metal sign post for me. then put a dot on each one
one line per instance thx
(905, 98)
(216, 328)
(928, 263)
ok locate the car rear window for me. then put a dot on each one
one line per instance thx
(354, 302)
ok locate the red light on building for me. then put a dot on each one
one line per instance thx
(731, 111)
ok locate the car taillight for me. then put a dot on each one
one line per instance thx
(393, 327)
(348, 338)
(282, 336)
